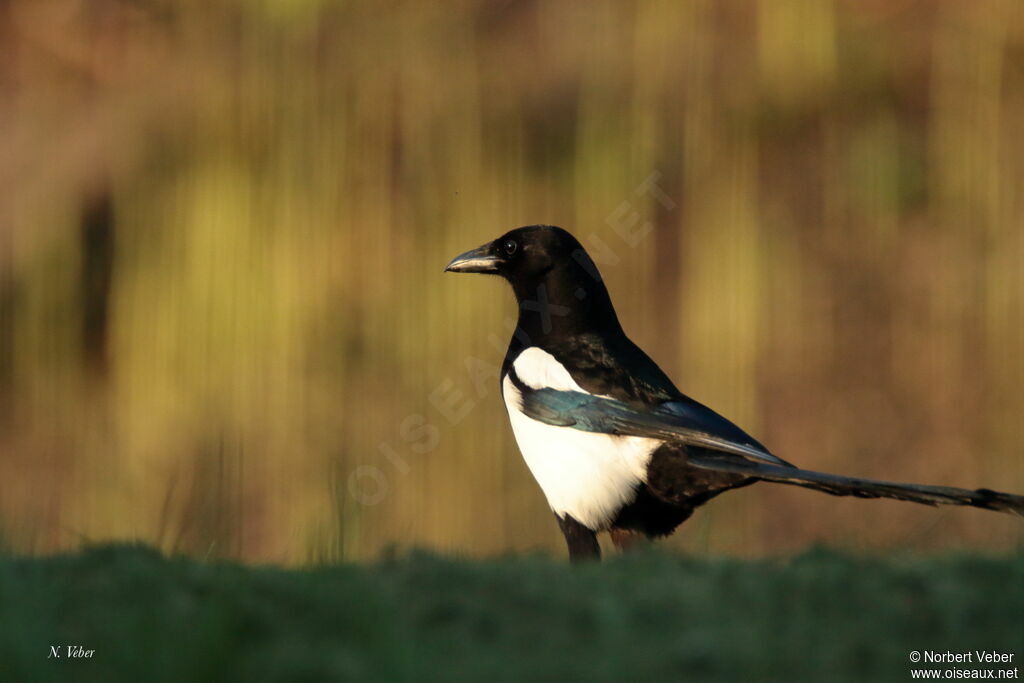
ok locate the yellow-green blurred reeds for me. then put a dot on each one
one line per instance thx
(273, 189)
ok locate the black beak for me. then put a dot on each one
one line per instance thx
(478, 260)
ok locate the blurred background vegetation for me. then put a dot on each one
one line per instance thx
(224, 329)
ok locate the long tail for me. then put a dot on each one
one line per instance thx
(861, 488)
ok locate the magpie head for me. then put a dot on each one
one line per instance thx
(521, 256)
(555, 282)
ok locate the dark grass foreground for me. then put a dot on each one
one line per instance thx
(820, 616)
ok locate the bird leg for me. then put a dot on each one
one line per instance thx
(582, 541)
(627, 541)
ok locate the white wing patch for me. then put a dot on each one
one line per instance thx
(584, 474)
(538, 369)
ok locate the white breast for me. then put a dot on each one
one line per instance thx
(584, 474)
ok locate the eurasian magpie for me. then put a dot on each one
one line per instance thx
(614, 445)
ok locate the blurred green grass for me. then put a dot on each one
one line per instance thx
(819, 616)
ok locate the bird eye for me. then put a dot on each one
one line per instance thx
(510, 247)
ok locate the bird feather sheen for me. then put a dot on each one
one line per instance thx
(588, 475)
